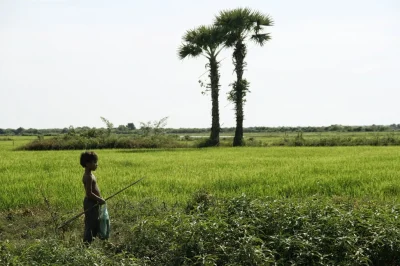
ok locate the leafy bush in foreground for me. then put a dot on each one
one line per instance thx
(237, 231)
(54, 252)
(241, 231)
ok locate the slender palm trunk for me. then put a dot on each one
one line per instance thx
(214, 78)
(238, 139)
(239, 87)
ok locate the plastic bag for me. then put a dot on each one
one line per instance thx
(104, 231)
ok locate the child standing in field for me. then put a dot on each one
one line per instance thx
(88, 161)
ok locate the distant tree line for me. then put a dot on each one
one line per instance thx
(121, 129)
(331, 128)
(131, 129)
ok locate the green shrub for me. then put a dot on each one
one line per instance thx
(236, 231)
(253, 142)
(241, 231)
(206, 142)
(55, 252)
(75, 142)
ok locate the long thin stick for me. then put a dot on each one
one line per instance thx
(137, 181)
(80, 214)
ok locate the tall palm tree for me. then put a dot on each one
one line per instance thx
(206, 41)
(240, 25)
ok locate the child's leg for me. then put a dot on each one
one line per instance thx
(91, 220)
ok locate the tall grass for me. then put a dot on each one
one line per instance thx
(223, 206)
(173, 175)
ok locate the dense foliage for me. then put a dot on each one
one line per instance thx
(66, 142)
(235, 231)
(90, 140)
(241, 231)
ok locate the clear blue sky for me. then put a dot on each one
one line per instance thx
(68, 62)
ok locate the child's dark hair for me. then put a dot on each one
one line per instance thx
(87, 157)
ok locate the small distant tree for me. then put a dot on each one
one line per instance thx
(109, 125)
(155, 127)
(32, 131)
(2, 131)
(90, 133)
(145, 127)
(71, 131)
(358, 129)
(158, 126)
(19, 131)
(122, 128)
(335, 128)
(9, 132)
(131, 126)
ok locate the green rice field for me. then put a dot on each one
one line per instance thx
(172, 176)
(210, 206)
